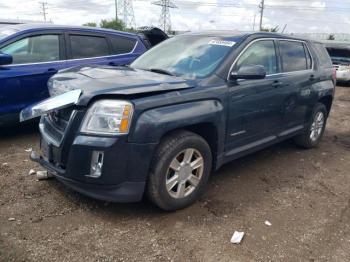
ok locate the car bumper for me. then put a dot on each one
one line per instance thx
(124, 172)
(343, 75)
(124, 192)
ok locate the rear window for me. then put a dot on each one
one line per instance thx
(293, 56)
(122, 45)
(322, 55)
(83, 46)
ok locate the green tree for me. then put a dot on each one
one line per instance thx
(272, 29)
(115, 24)
(92, 24)
(331, 37)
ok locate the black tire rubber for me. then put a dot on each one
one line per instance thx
(304, 139)
(169, 147)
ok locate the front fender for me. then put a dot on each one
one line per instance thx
(151, 125)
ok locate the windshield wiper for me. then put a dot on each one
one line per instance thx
(161, 71)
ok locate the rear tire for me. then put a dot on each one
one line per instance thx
(180, 170)
(314, 133)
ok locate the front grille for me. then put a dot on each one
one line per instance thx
(54, 125)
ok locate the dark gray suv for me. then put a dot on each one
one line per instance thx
(183, 109)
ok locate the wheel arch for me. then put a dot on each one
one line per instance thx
(204, 118)
(327, 101)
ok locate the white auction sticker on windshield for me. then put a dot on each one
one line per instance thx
(222, 43)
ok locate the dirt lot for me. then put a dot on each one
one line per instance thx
(304, 194)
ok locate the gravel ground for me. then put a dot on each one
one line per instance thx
(303, 193)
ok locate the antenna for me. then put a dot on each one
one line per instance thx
(164, 20)
(125, 12)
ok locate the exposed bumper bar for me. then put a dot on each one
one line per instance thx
(122, 193)
(50, 104)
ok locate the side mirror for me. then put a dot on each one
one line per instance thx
(5, 59)
(249, 72)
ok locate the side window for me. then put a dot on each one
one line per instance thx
(293, 56)
(84, 46)
(260, 53)
(122, 45)
(34, 49)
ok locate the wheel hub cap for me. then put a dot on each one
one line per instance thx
(317, 126)
(184, 173)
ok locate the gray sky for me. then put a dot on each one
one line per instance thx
(328, 16)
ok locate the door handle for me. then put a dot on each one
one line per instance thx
(277, 84)
(312, 77)
(111, 64)
(52, 70)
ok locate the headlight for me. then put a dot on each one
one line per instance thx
(109, 117)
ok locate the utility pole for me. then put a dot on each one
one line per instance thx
(165, 21)
(125, 11)
(254, 22)
(44, 9)
(262, 7)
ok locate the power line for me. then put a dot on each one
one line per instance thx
(165, 21)
(44, 9)
(299, 7)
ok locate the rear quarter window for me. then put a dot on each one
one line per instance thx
(322, 55)
(122, 45)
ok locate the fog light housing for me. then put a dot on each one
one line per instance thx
(96, 164)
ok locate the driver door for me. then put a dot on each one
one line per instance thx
(35, 59)
(255, 105)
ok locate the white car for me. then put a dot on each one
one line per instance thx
(340, 55)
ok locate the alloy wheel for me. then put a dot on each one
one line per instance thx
(317, 126)
(184, 173)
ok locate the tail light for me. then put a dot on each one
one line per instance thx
(334, 75)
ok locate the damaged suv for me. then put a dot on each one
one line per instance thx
(181, 110)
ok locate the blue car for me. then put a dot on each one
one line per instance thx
(30, 54)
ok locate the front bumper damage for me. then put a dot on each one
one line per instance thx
(122, 193)
(124, 171)
(71, 155)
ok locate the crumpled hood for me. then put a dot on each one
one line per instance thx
(78, 85)
(97, 80)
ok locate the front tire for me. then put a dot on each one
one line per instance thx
(314, 133)
(180, 170)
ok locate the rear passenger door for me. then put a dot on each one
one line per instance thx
(297, 68)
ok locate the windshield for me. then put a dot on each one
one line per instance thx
(186, 55)
(5, 32)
